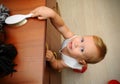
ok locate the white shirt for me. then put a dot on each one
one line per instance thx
(71, 62)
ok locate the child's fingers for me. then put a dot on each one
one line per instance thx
(49, 55)
(49, 52)
(41, 18)
(34, 14)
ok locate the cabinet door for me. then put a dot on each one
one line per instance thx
(53, 39)
(29, 40)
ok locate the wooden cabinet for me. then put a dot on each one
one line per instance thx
(53, 38)
(30, 40)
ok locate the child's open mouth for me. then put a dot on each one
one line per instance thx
(70, 45)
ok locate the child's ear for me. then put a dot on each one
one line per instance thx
(82, 62)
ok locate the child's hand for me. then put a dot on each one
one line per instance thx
(43, 12)
(49, 56)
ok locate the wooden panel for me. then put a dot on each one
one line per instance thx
(20, 5)
(29, 40)
(53, 38)
(54, 42)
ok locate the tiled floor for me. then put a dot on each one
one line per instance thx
(99, 17)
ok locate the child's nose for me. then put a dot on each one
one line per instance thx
(77, 45)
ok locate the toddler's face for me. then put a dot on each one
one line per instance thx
(83, 48)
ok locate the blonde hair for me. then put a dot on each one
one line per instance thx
(101, 48)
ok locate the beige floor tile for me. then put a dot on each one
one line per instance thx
(99, 17)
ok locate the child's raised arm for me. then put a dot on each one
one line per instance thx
(45, 13)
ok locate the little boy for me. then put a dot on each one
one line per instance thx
(76, 50)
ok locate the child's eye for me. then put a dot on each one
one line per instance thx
(82, 49)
